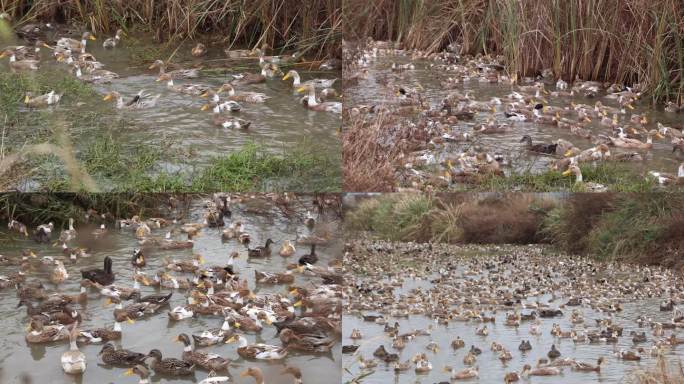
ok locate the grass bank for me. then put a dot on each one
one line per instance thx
(251, 168)
(312, 25)
(662, 373)
(645, 228)
(630, 41)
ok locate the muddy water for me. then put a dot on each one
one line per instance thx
(42, 362)
(279, 125)
(491, 369)
(370, 91)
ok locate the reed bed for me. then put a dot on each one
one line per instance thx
(619, 41)
(311, 25)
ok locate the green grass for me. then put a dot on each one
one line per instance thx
(251, 168)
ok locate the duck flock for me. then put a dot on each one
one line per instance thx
(224, 102)
(439, 136)
(441, 313)
(165, 278)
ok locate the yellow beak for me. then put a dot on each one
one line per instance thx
(205, 107)
(205, 95)
(630, 106)
(158, 79)
(129, 372)
(107, 97)
(567, 173)
(658, 135)
(92, 37)
(244, 374)
(297, 304)
(2, 54)
(302, 89)
(568, 153)
(130, 321)
(26, 99)
(151, 66)
(286, 77)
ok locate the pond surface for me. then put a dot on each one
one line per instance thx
(374, 90)
(261, 219)
(413, 278)
(278, 125)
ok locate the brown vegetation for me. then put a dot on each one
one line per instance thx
(629, 41)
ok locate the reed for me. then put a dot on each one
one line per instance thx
(627, 41)
(311, 25)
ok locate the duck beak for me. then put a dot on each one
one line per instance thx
(26, 99)
(204, 95)
(658, 135)
(286, 77)
(302, 89)
(130, 321)
(244, 374)
(158, 79)
(237, 325)
(129, 372)
(92, 37)
(568, 153)
(2, 54)
(297, 304)
(107, 97)
(46, 46)
(151, 66)
(630, 106)
(567, 173)
(205, 107)
(231, 340)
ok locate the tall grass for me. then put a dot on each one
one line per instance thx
(314, 25)
(627, 41)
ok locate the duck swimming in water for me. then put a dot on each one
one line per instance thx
(103, 276)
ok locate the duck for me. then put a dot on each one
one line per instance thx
(255, 373)
(628, 355)
(310, 258)
(248, 78)
(540, 371)
(198, 50)
(492, 127)
(317, 83)
(464, 374)
(541, 148)
(273, 278)
(295, 372)
(261, 251)
(228, 122)
(525, 345)
(287, 249)
(208, 361)
(310, 342)
(258, 351)
(191, 73)
(100, 335)
(112, 42)
(76, 45)
(188, 89)
(47, 99)
(511, 377)
(141, 371)
(140, 101)
(38, 333)
(214, 378)
(270, 70)
(43, 233)
(588, 367)
(73, 360)
(667, 178)
(247, 97)
(624, 142)
(314, 105)
(169, 366)
(103, 276)
(59, 274)
(20, 65)
(589, 186)
(239, 53)
(138, 259)
(120, 357)
(214, 336)
(553, 353)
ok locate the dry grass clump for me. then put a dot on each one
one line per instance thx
(662, 373)
(368, 163)
(628, 41)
